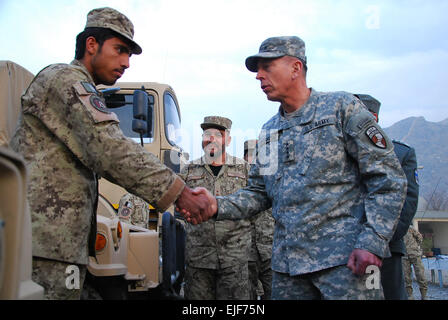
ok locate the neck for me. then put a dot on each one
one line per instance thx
(296, 101)
(216, 161)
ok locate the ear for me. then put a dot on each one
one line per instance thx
(296, 69)
(228, 139)
(91, 45)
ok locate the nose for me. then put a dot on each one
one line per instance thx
(260, 74)
(124, 62)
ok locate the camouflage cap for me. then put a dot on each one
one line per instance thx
(250, 144)
(216, 122)
(112, 19)
(277, 47)
(370, 102)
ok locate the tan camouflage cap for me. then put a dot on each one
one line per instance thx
(370, 102)
(112, 19)
(250, 144)
(277, 47)
(216, 122)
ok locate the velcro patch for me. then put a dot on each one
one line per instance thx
(318, 124)
(236, 174)
(376, 137)
(94, 104)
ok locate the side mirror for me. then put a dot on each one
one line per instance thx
(140, 108)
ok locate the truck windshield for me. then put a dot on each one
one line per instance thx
(121, 105)
(172, 120)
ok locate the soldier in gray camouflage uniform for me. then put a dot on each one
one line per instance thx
(262, 236)
(392, 278)
(68, 139)
(216, 251)
(329, 173)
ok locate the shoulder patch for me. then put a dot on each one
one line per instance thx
(94, 103)
(98, 104)
(360, 122)
(376, 137)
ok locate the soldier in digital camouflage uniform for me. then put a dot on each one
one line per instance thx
(329, 173)
(217, 251)
(413, 258)
(262, 236)
(134, 210)
(392, 277)
(68, 139)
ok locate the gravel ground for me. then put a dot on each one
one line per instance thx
(435, 292)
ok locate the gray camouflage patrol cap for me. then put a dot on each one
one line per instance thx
(370, 102)
(216, 122)
(112, 19)
(277, 47)
(250, 144)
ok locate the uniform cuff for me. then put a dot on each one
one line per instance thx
(371, 242)
(171, 194)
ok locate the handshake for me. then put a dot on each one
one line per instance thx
(196, 205)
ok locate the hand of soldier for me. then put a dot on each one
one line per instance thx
(196, 207)
(360, 259)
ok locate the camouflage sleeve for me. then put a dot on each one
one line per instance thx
(418, 237)
(247, 201)
(409, 165)
(381, 175)
(92, 134)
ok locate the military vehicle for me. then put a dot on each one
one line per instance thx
(149, 114)
(131, 262)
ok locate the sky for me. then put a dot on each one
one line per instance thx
(394, 50)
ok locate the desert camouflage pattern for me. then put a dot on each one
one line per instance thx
(54, 277)
(112, 19)
(262, 236)
(337, 283)
(216, 122)
(134, 210)
(413, 241)
(218, 245)
(68, 139)
(277, 47)
(413, 258)
(260, 253)
(332, 179)
(228, 283)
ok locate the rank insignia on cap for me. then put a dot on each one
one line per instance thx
(376, 137)
(98, 104)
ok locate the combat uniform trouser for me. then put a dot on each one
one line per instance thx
(337, 283)
(392, 278)
(230, 283)
(59, 281)
(419, 271)
(260, 272)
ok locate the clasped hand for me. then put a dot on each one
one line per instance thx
(196, 205)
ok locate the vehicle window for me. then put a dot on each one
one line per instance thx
(121, 105)
(172, 120)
